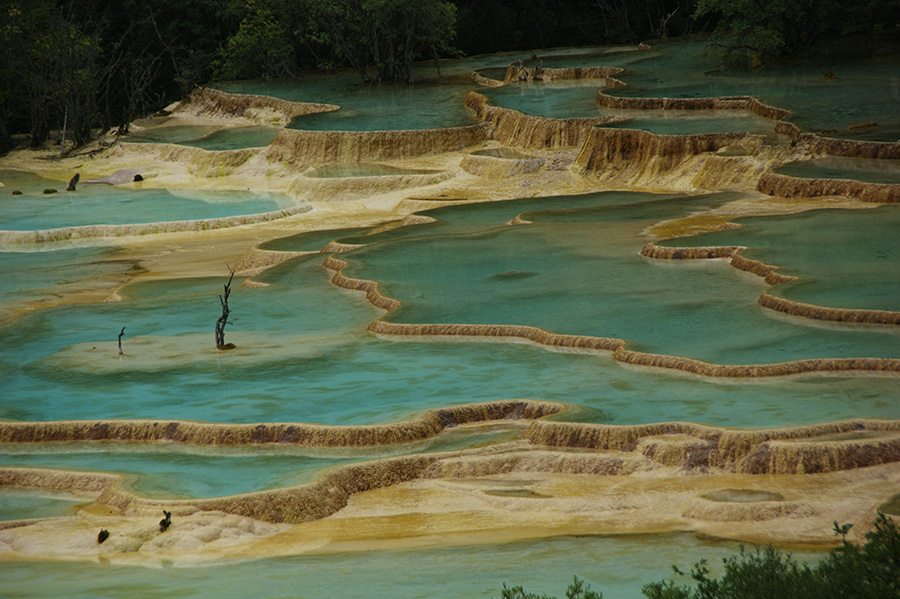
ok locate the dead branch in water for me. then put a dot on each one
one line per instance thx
(223, 319)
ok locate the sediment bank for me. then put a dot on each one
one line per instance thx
(178, 226)
(302, 149)
(430, 424)
(672, 449)
(206, 101)
(785, 186)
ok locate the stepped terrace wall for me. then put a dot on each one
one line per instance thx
(810, 449)
(517, 72)
(514, 128)
(300, 149)
(350, 188)
(262, 109)
(591, 343)
(851, 148)
(428, 425)
(606, 450)
(177, 226)
(746, 103)
(768, 272)
(634, 156)
(785, 186)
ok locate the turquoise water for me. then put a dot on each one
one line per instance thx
(185, 471)
(677, 69)
(578, 100)
(822, 248)
(427, 105)
(431, 103)
(101, 204)
(586, 277)
(560, 100)
(303, 354)
(615, 566)
(312, 241)
(19, 504)
(865, 90)
(836, 167)
(30, 276)
(207, 137)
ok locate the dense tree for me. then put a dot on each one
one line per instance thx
(78, 64)
(262, 47)
(780, 27)
(71, 65)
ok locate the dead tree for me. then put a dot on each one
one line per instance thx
(121, 351)
(223, 320)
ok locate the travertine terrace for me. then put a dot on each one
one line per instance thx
(592, 478)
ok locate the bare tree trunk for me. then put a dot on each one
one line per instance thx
(223, 320)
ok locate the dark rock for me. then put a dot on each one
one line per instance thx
(104, 534)
(166, 522)
(49, 190)
(138, 178)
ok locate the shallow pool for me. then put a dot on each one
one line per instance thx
(824, 249)
(615, 566)
(837, 167)
(102, 204)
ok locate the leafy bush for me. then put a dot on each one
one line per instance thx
(870, 571)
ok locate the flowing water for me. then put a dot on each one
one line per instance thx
(303, 354)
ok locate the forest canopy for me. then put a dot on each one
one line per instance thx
(82, 65)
